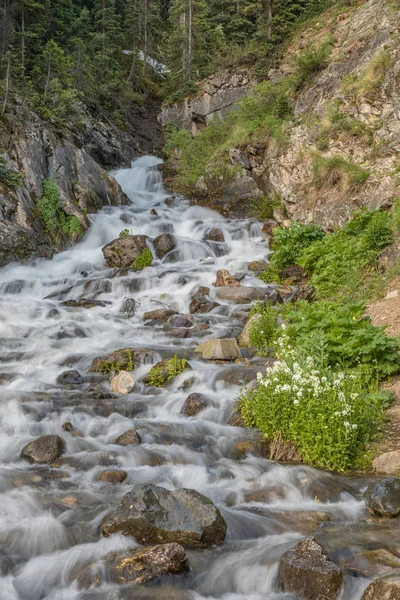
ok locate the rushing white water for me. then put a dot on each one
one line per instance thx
(50, 517)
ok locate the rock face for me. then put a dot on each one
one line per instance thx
(383, 497)
(123, 383)
(214, 235)
(45, 449)
(194, 404)
(122, 252)
(305, 570)
(152, 514)
(163, 244)
(142, 565)
(388, 463)
(225, 349)
(386, 588)
(225, 279)
(128, 438)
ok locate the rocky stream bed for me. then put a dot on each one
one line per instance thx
(119, 480)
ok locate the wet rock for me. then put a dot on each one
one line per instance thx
(153, 212)
(383, 497)
(129, 438)
(122, 252)
(178, 334)
(83, 303)
(44, 449)
(385, 588)
(70, 378)
(269, 226)
(116, 476)
(160, 315)
(267, 495)
(306, 292)
(194, 404)
(305, 570)
(67, 426)
(214, 235)
(180, 321)
(388, 463)
(238, 157)
(257, 447)
(223, 349)
(239, 375)
(295, 273)
(244, 338)
(225, 279)
(152, 514)
(236, 420)
(241, 294)
(128, 308)
(165, 371)
(123, 383)
(201, 302)
(125, 359)
(257, 266)
(145, 564)
(163, 244)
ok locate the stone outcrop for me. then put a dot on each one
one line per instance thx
(163, 244)
(194, 404)
(151, 514)
(122, 252)
(305, 570)
(214, 235)
(45, 449)
(383, 497)
(128, 438)
(225, 279)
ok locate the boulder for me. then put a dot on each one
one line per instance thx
(164, 371)
(241, 294)
(163, 244)
(122, 252)
(268, 226)
(142, 565)
(162, 315)
(116, 476)
(84, 303)
(179, 321)
(238, 157)
(128, 438)
(194, 404)
(201, 302)
(225, 279)
(70, 378)
(244, 338)
(128, 308)
(67, 426)
(123, 383)
(125, 359)
(383, 497)
(45, 449)
(214, 235)
(224, 349)
(152, 514)
(385, 588)
(257, 266)
(388, 463)
(306, 571)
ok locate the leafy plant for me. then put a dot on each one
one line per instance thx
(289, 243)
(310, 62)
(124, 233)
(164, 372)
(263, 206)
(145, 259)
(55, 220)
(264, 329)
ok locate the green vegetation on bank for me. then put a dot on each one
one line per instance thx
(322, 395)
(56, 222)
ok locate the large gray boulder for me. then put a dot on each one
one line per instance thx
(305, 570)
(163, 244)
(122, 252)
(45, 449)
(383, 497)
(152, 514)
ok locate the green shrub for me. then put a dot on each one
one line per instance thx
(335, 170)
(264, 330)
(329, 415)
(310, 62)
(55, 220)
(262, 207)
(347, 337)
(164, 372)
(145, 259)
(124, 233)
(289, 243)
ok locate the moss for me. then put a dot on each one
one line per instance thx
(145, 259)
(165, 371)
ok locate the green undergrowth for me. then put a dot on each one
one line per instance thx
(323, 394)
(56, 222)
(145, 259)
(164, 372)
(109, 366)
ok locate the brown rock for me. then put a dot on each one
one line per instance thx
(225, 279)
(268, 226)
(44, 449)
(122, 252)
(267, 495)
(163, 372)
(386, 588)
(224, 349)
(214, 235)
(295, 273)
(125, 359)
(163, 244)
(257, 266)
(161, 314)
(67, 426)
(112, 476)
(129, 438)
(194, 404)
(178, 321)
(241, 294)
(305, 570)
(388, 463)
(123, 383)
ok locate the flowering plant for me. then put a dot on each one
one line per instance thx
(328, 414)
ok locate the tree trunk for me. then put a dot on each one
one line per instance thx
(7, 86)
(267, 16)
(5, 20)
(23, 38)
(46, 87)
